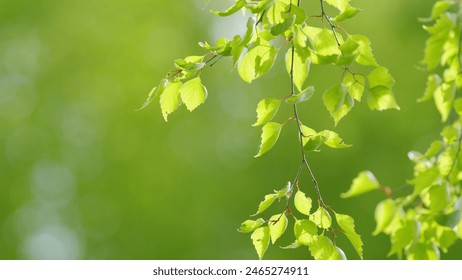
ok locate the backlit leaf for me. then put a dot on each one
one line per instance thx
(444, 97)
(384, 213)
(363, 183)
(235, 8)
(322, 218)
(155, 93)
(170, 98)
(256, 62)
(303, 96)
(193, 93)
(347, 13)
(269, 136)
(441, 7)
(433, 82)
(338, 102)
(301, 68)
(302, 203)
(381, 98)
(439, 198)
(339, 4)
(365, 56)
(266, 110)
(337, 254)
(347, 224)
(423, 251)
(355, 85)
(425, 179)
(266, 203)
(321, 248)
(261, 239)
(305, 231)
(404, 236)
(380, 76)
(277, 225)
(294, 245)
(250, 225)
(333, 140)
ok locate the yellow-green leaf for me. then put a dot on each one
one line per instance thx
(260, 239)
(266, 203)
(266, 110)
(301, 68)
(363, 183)
(338, 102)
(170, 99)
(250, 225)
(381, 98)
(322, 248)
(384, 213)
(322, 218)
(269, 136)
(193, 93)
(302, 203)
(347, 224)
(305, 231)
(277, 225)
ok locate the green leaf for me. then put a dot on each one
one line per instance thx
(193, 93)
(260, 239)
(235, 8)
(338, 102)
(434, 149)
(190, 63)
(439, 198)
(441, 7)
(339, 4)
(256, 62)
(303, 96)
(425, 179)
(403, 236)
(446, 161)
(338, 254)
(444, 97)
(348, 13)
(301, 68)
(266, 203)
(423, 251)
(302, 203)
(459, 229)
(380, 76)
(381, 98)
(305, 231)
(294, 245)
(266, 110)
(365, 56)
(322, 248)
(458, 106)
(283, 26)
(363, 183)
(250, 225)
(260, 6)
(154, 93)
(333, 140)
(450, 134)
(349, 50)
(269, 136)
(285, 191)
(322, 218)
(327, 48)
(384, 213)
(434, 46)
(277, 225)
(300, 15)
(355, 85)
(170, 98)
(433, 82)
(347, 224)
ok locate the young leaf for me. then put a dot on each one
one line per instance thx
(365, 56)
(277, 225)
(355, 85)
(269, 136)
(303, 96)
(285, 191)
(363, 183)
(349, 12)
(423, 251)
(283, 26)
(441, 7)
(257, 62)
(403, 236)
(250, 225)
(381, 98)
(384, 213)
(305, 231)
(444, 97)
(294, 245)
(327, 49)
(434, 149)
(338, 254)
(170, 98)
(446, 161)
(425, 179)
(347, 224)
(439, 198)
(322, 218)
(260, 239)
(322, 248)
(333, 140)
(301, 68)
(339, 4)
(266, 110)
(434, 47)
(154, 93)
(193, 93)
(302, 203)
(338, 102)
(235, 8)
(380, 77)
(433, 82)
(266, 203)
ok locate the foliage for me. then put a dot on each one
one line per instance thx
(283, 26)
(427, 220)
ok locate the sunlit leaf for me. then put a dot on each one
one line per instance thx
(303, 96)
(404, 236)
(423, 251)
(384, 213)
(235, 8)
(294, 245)
(170, 98)
(277, 225)
(321, 248)
(380, 76)
(269, 136)
(256, 62)
(381, 98)
(363, 183)
(444, 97)
(333, 140)
(339, 4)
(434, 46)
(266, 110)
(338, 102)
(250, 225)
(433, 82)
(266, 203)
(322, 218)
(347, 224)
(434, 149)
(365, 56)
(441, 7)
(337, 254)
(439, 198)
(283, 26)
(301, 68)
(347, 13)
(261, 239)
(193, 93)
(355, 85)
(425, 179)
(302, 203)
(305, 231)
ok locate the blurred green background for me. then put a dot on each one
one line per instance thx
(84, 176)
